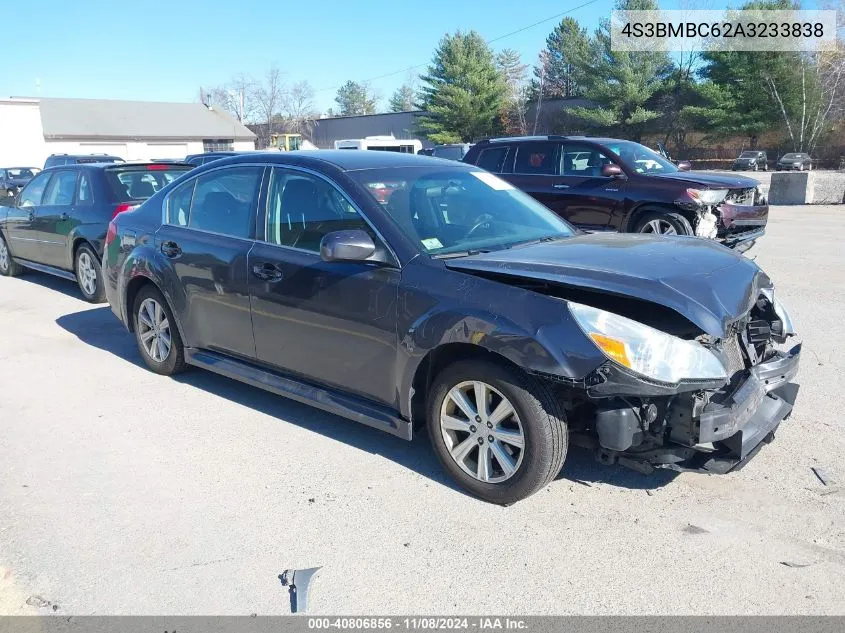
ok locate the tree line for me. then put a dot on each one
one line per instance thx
(469, 91)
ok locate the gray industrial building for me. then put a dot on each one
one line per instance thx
(326, 131)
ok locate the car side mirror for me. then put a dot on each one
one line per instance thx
(611, 171)
(684, 165)
(347, 246)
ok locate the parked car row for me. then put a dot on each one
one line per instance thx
(755, 160)
(59, 221)
(407, 292)
(604, 184)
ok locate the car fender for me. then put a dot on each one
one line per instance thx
(93, 234)
(533, 331)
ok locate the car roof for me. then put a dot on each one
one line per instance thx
(120, 165)
(344, 159)
(600, 140)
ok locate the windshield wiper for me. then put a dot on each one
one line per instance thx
(466, 253)
(541, 240)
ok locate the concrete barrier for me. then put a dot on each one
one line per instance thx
(823, 187)
(792, 187)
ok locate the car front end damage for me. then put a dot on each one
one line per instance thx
(736, 217)
(701, 423)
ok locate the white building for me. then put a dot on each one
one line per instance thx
(32, 129)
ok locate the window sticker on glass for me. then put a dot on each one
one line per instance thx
(492, 181)
(431, 243)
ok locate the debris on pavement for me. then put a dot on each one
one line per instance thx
(297, 581)
(694, 529)
(37, 601)
(821, 474)
(789, 563)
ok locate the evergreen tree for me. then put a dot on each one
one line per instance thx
(566, 61)
(402, 100)
(355, 98)
(462, 91)
(622, 83)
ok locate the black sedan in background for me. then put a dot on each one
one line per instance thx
(13, 179)
(797, 161)
(59, 220)
(751, 160)
(403, 291)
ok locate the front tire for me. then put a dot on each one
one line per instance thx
(500, 433)
(156, 333)
(663, 223)
(8, 267)
(89, 275)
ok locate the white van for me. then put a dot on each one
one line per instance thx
(381, 143)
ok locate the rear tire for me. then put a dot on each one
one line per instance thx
(525, 421)
(156, 333)
(8, 266)
(663, 223)
(89, 275)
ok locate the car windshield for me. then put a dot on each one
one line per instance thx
(453, 152)
(641, 159)
(456, 211)
(139, 182)
(749, 155)
(792, 156)
(22, 172)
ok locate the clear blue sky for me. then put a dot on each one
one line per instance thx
(164, 51)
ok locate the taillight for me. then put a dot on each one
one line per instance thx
(111, 233)
(158, 167)
(122, 208)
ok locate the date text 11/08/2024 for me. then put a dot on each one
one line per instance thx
(416, 624)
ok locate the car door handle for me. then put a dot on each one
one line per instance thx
(171, 249)
(561, 186)
(267, 272)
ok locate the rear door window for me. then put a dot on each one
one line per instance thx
(61, 189)
(539, 157)
(492, 159)
(224, 201)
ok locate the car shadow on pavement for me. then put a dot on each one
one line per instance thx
(101, 329)
(65, 286)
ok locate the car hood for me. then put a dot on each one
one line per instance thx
(18, 182)
(705, 282)
(713, 181)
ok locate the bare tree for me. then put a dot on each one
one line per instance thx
(515, 77)
(236, 97)
(298, 108)
(269, 95)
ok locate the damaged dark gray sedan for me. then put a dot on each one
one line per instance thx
(404, 291)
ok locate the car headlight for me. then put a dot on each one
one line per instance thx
(783, 315)
(707, 196)
(646, 351)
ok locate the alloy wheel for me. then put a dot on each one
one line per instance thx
(86, 273)
(4, 256)
(660, 227)
(154, 330)
(482, 431)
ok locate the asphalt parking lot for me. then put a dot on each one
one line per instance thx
(124, 492)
